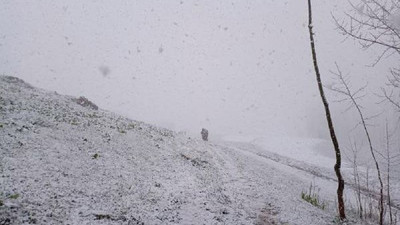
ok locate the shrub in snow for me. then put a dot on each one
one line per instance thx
(86, 103)
(312, 197)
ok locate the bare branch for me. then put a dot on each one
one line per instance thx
(345, 89)
(370, 23)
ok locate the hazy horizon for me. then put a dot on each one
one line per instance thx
(235, 68)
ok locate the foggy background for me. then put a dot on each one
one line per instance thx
(233, 67)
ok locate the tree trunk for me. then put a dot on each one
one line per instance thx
(342, 215)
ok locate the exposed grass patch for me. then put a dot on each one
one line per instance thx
(102, 216)
(195, 162)
(74, 122)
(312, 197)
(121, 131)
(14, 196)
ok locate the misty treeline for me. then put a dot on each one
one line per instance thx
(374, 24)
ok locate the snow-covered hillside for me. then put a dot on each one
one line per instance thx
(64, 162)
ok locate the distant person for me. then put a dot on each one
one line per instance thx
(204, 134)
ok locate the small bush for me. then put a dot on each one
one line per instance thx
(95, 156)
(121, 130)
(14, 196)
(102, 217)
(86, 103)
(74, 122)
(312, 197)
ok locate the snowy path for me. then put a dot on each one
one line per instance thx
(275, 188)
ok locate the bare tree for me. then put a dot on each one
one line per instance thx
(391, 94)
(356, 176)
(377, 23)
(374, 22)
(335, 142)
(345, 90)
(388, 162)
(390, 158)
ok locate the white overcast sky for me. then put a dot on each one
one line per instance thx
(234, 67)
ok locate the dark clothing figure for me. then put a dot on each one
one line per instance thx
(204, 134)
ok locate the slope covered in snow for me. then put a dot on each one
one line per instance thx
(63, 161)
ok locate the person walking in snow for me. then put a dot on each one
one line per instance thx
(204, 134)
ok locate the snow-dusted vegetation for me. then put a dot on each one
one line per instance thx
(62, 163)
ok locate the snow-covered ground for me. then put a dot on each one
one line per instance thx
(317, 152)
(64, 163)
(316, 157)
